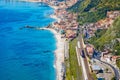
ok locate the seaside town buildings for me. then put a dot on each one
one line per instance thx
(90, 50)
(67, 24)
(90, 29)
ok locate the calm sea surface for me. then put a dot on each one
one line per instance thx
(26, 54)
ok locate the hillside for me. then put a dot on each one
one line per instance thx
(110, 38)
(93, 10)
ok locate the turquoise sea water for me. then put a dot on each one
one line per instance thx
(26, 54)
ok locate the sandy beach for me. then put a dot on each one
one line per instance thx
(59, 53)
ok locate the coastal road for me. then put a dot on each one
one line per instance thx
(117, 74)
(107, 74)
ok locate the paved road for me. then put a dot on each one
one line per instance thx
(117, 75)
(107, 75)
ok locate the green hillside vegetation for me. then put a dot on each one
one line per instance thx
(75, 8)
(108, 38)
(94, 10)
(98, 34)
(118, 63)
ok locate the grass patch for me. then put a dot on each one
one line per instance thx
(94, 76)
(73, 70)
(118, 63)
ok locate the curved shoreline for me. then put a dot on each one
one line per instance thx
(59, 53)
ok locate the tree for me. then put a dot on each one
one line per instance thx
(113, 78)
